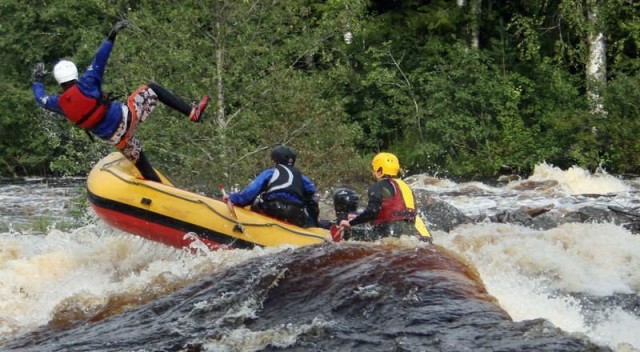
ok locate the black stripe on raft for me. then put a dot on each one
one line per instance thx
(173, 223)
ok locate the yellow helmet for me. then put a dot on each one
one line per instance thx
(387, 162)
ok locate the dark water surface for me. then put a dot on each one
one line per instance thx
(350, 297)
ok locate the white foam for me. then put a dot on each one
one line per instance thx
(282, 336)
(44, 274)
(579, 181)
(534, 273)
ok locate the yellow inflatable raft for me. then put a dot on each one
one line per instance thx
(164, 213)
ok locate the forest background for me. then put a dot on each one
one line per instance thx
(466, 88)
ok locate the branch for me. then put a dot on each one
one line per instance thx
(297, 131)
(230, 118)
(415, 103)
(258, 150)
(400, 69)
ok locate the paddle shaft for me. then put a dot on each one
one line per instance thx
(229, 204)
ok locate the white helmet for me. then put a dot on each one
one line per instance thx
(65, 71)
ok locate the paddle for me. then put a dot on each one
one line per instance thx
(423, 231)
(336, 232)
(238, 227)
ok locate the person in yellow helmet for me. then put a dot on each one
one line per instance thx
(390, 208)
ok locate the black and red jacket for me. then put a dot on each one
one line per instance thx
(388, 202)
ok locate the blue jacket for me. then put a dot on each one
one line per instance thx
(259, 185)
(90, 84)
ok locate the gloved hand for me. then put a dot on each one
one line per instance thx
(117, 27)
(39, 72)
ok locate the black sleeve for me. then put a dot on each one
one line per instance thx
(112, 36)
(313, 208)
(374, 204)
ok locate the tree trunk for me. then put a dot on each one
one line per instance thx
(596, 70)
(474, 31)
(476, 6)
(220, 85)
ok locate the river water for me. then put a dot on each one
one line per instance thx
(481, 287)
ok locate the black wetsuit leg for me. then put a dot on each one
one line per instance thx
(146, 169)
(169, 99)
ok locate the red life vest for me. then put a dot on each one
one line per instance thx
(80, 109)
(399, 207)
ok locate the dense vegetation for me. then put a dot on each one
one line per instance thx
(466, 88)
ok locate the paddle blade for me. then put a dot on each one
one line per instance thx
(422, 230)
(336, 233)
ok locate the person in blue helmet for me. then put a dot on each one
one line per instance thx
(282, 192)
(83, 102)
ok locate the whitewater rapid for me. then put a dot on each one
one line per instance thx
(582, 278)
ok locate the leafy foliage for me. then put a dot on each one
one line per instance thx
(337, 80)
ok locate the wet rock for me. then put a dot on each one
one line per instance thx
(443, 216)
(422, 198)
(509, 178)
(529, 185)
(588, 214)
(546, 221)
(628, 218)
(533, 212)
(518, 216)
(422, 180)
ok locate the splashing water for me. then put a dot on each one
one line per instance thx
(95, 281)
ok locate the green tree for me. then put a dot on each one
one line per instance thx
(268, 67)
(461, 90)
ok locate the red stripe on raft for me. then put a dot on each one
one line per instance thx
(150, 230)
